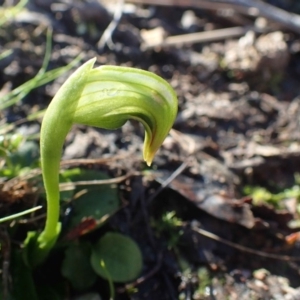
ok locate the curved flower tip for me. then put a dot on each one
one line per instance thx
(163, 116)
(148, 158)
(112, 95)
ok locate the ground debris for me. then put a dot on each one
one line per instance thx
(238, 125)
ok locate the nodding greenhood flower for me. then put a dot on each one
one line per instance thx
(104, 97)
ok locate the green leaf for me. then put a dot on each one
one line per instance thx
(76, 266)
(121, 257)
(98, 200)
(26, 155)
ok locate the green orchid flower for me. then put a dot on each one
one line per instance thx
(104, 97)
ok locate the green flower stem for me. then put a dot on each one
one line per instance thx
(104, 97)
(57, 122)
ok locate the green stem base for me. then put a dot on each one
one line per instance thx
(36, 248)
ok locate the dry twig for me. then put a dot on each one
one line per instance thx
(242, 248)
(201, 37)
(248, 7)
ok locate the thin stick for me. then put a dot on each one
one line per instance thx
(106, 36)
(92, 161)
(201, 37)
(249, 7)
(243, 248)
(66, 186)
(176, 173)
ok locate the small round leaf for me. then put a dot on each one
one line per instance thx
(117, 257)
(76, 266)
